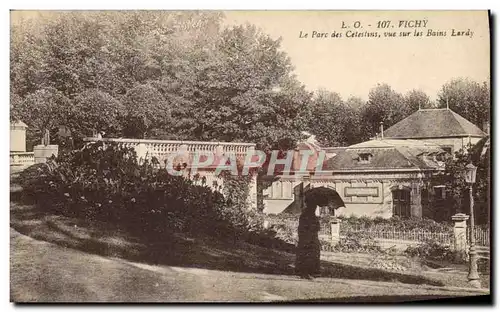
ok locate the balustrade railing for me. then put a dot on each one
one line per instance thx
(162, 147)
(22, 158)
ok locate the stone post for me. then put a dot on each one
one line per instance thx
(335, 230)
(252, 195)
(42, 152)
(219, 150)
(141, 151)
(460, 235)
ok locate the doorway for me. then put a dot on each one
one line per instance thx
(401, 202)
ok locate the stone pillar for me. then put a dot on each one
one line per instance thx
(460, 235)
(416, 200)
(266, 224)
(219, 150)
(141, 151)
(18, 137)
(253, 192)
(335, 230)
(42, 152)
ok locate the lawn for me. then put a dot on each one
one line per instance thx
(46, 272)
(204, 252)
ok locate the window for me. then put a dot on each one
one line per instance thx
(439, 192)
(280, 190)
(447, 149)
(365, 157)
(424, 195)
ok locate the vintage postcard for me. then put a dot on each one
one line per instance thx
(250, 156)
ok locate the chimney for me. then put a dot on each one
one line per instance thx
(382, 130)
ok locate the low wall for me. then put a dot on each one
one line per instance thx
(21, 159)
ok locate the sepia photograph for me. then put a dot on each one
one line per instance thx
(250, 156)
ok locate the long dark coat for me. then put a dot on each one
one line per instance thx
(308, 249)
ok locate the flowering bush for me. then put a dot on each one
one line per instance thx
(358, 242)
(432, 250)
(395, 223)
(106, 183)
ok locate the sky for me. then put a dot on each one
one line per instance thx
(352, 66)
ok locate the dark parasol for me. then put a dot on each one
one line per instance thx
(323, 197)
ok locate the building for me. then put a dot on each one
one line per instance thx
(382, 177)
(387, 176)
(18, 136)
(19, 158)
(441, 126)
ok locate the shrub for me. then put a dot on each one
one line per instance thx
(358, 242)
(236, 190)
(432, 250)
(286, 233)
(352, 223)
(105, 182)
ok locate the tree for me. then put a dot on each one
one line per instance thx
(353, 131)
(334, 122)
(94, 111)
(110, 51)
(355, 103)
(16, 113)
(45, 109)
(245, 91)
(231, 84)
(457, 190)
(146, 110)
(417, 99)
(384, 105)
(26, 57)
(468, 98)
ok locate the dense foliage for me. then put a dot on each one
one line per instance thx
(178, 75)
(469, 98)
(354, 223)
(183, 75)
(358, 242)
(457, 189)
(333, 121)
(432, 250)
(106, 183)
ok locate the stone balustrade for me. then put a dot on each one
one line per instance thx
(162, 148)
(22, 159)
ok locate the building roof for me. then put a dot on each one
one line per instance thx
(387, 154)
(433, 123)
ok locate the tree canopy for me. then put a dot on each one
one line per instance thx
(417, 99)
(457, 188)
(468, 98)
(183, 75)
(384, 105)
(177, 75)
(333, 121)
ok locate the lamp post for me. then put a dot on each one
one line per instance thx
(470, 178)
